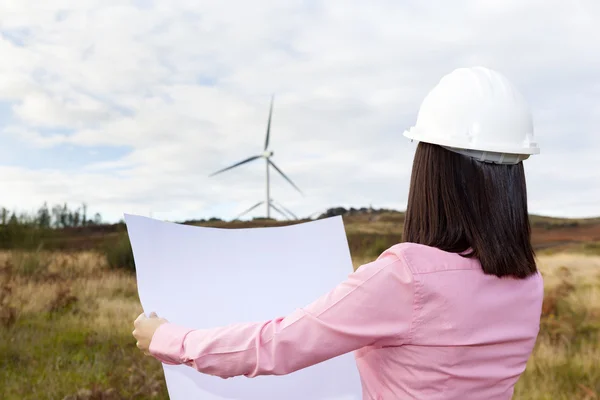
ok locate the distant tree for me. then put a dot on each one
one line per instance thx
(64, 215)
(84, 215)
(56, 212)
(44, 219)
(14, 220)
(97, 219)
(76, 217)
(332, 212)
(24, 219)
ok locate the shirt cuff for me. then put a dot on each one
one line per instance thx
(167, 343)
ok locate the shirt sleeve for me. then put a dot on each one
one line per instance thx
(373, 306)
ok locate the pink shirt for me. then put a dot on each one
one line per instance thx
(423, 323)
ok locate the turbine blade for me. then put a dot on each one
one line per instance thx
(269, 124)
(278, 210)
(248, 210)
(286, 210)
(284, 175)
(247, 160)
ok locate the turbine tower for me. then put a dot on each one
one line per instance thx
(266, 155)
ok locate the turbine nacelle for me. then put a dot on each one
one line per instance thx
(267, 154)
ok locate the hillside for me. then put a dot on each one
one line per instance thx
(84, 302)
(364, 227)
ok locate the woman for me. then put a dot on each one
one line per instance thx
(453, 312)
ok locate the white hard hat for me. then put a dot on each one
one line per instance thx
(477, 112)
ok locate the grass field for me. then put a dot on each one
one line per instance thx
(66, 322)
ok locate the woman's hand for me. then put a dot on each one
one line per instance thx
(144, 328)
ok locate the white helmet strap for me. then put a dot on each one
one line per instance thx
(490, 156)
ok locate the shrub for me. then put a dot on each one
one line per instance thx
(371, 245)
(16, 236)
(592, 248)
(380, 245)
(63, 301)
(29, 264)
(8, 313)
(563, 319)
(119, 254)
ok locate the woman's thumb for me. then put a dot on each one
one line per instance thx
(153, 314)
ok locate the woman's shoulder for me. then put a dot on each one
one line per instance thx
(422, 259)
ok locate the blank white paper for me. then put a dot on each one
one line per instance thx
(203, 277)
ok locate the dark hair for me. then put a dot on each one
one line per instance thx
(461, 205)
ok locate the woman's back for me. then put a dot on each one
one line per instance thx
(451, 313)
(470, 336)
(424, 324)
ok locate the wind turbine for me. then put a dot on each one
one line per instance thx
(266, 155)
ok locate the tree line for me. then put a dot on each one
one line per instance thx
(57, 216)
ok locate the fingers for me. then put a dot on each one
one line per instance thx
(138, 319)
(142, 316)
(144, 349)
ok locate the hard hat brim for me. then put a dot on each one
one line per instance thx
(414, 134)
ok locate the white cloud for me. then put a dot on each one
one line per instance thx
(186, 86)
(43, 110)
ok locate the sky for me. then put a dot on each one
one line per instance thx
(128, 106)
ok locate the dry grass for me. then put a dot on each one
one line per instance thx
(587, 266)
(66, 330)
(379, 224)
(565, 364)
(70, 334)
(104, 298)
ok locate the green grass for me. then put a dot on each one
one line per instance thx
(44, 358)
(119, 254)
